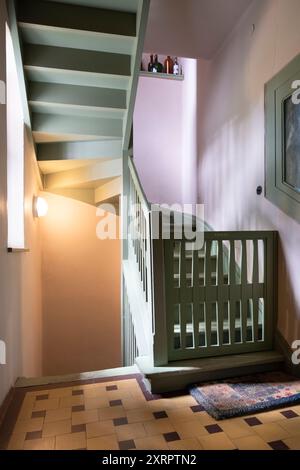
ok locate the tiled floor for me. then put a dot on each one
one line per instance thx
(118, 414)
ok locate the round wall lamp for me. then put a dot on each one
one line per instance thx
(40, 207)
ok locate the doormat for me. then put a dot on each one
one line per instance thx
(247, 395)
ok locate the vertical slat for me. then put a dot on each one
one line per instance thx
(244, 300)
(169, 286)
(183, 287)
(208, 282)
(232, 281)
(220, 300)
(255, 280)
(196, 298)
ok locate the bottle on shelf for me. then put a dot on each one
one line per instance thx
(169, 65)
(158, 67)
(151, 64)
(176, 68)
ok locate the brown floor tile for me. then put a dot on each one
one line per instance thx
(111, 413)
(292, 426)
(139, 415)
(61, 414)
(251, 443)
(235, 428)
(216, 442)
(84, 417)
(186, 444)
(190, 429)
(271, 432)
(16, 441)
(71, 441)
(130, 431)
(157, 427)
(151, 443)
(68, 402)
(100, 428)
(181, 414)
(30, 425)
(60, 392)
(95, 403)
(133, 404)
(51, 404)
(57, 428)
(103, 443)
(293, 443)
(47, 443)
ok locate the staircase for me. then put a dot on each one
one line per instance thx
(78, 63)
(192, 313)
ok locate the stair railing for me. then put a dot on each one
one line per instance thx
(189, 301)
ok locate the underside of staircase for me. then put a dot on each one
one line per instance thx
(78, 63)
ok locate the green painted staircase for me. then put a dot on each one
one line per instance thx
(78, 64)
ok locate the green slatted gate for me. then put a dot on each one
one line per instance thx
(220, 299)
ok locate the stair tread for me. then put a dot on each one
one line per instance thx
(204, 365)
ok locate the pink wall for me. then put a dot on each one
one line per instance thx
(81, 291)
(231, 139)
(165, 136)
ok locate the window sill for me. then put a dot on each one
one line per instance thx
(18, 250)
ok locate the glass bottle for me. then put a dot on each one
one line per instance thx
(176, 68)
(157, 65)
(169, 65)
(151, 63)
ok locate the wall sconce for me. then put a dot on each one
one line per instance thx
(40, 207)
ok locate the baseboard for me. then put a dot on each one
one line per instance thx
(284, 347)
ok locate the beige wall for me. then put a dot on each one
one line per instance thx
(20, 273)
(81, 290)
(231, 136)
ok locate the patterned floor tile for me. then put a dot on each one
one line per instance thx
(115, 415)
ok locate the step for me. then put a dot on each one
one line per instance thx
(180, 374)
(76, 377)
(77, 17)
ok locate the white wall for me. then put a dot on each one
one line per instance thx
(231, 139)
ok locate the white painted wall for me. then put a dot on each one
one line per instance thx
(231, 139)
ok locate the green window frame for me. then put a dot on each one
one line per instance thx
(277, 91)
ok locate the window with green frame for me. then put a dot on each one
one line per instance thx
(282, 111)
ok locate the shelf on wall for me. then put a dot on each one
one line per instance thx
(162, 75)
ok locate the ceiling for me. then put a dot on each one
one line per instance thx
(191, 28)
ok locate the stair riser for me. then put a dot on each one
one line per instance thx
(178, 382)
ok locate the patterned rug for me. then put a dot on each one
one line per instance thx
(246, 395)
